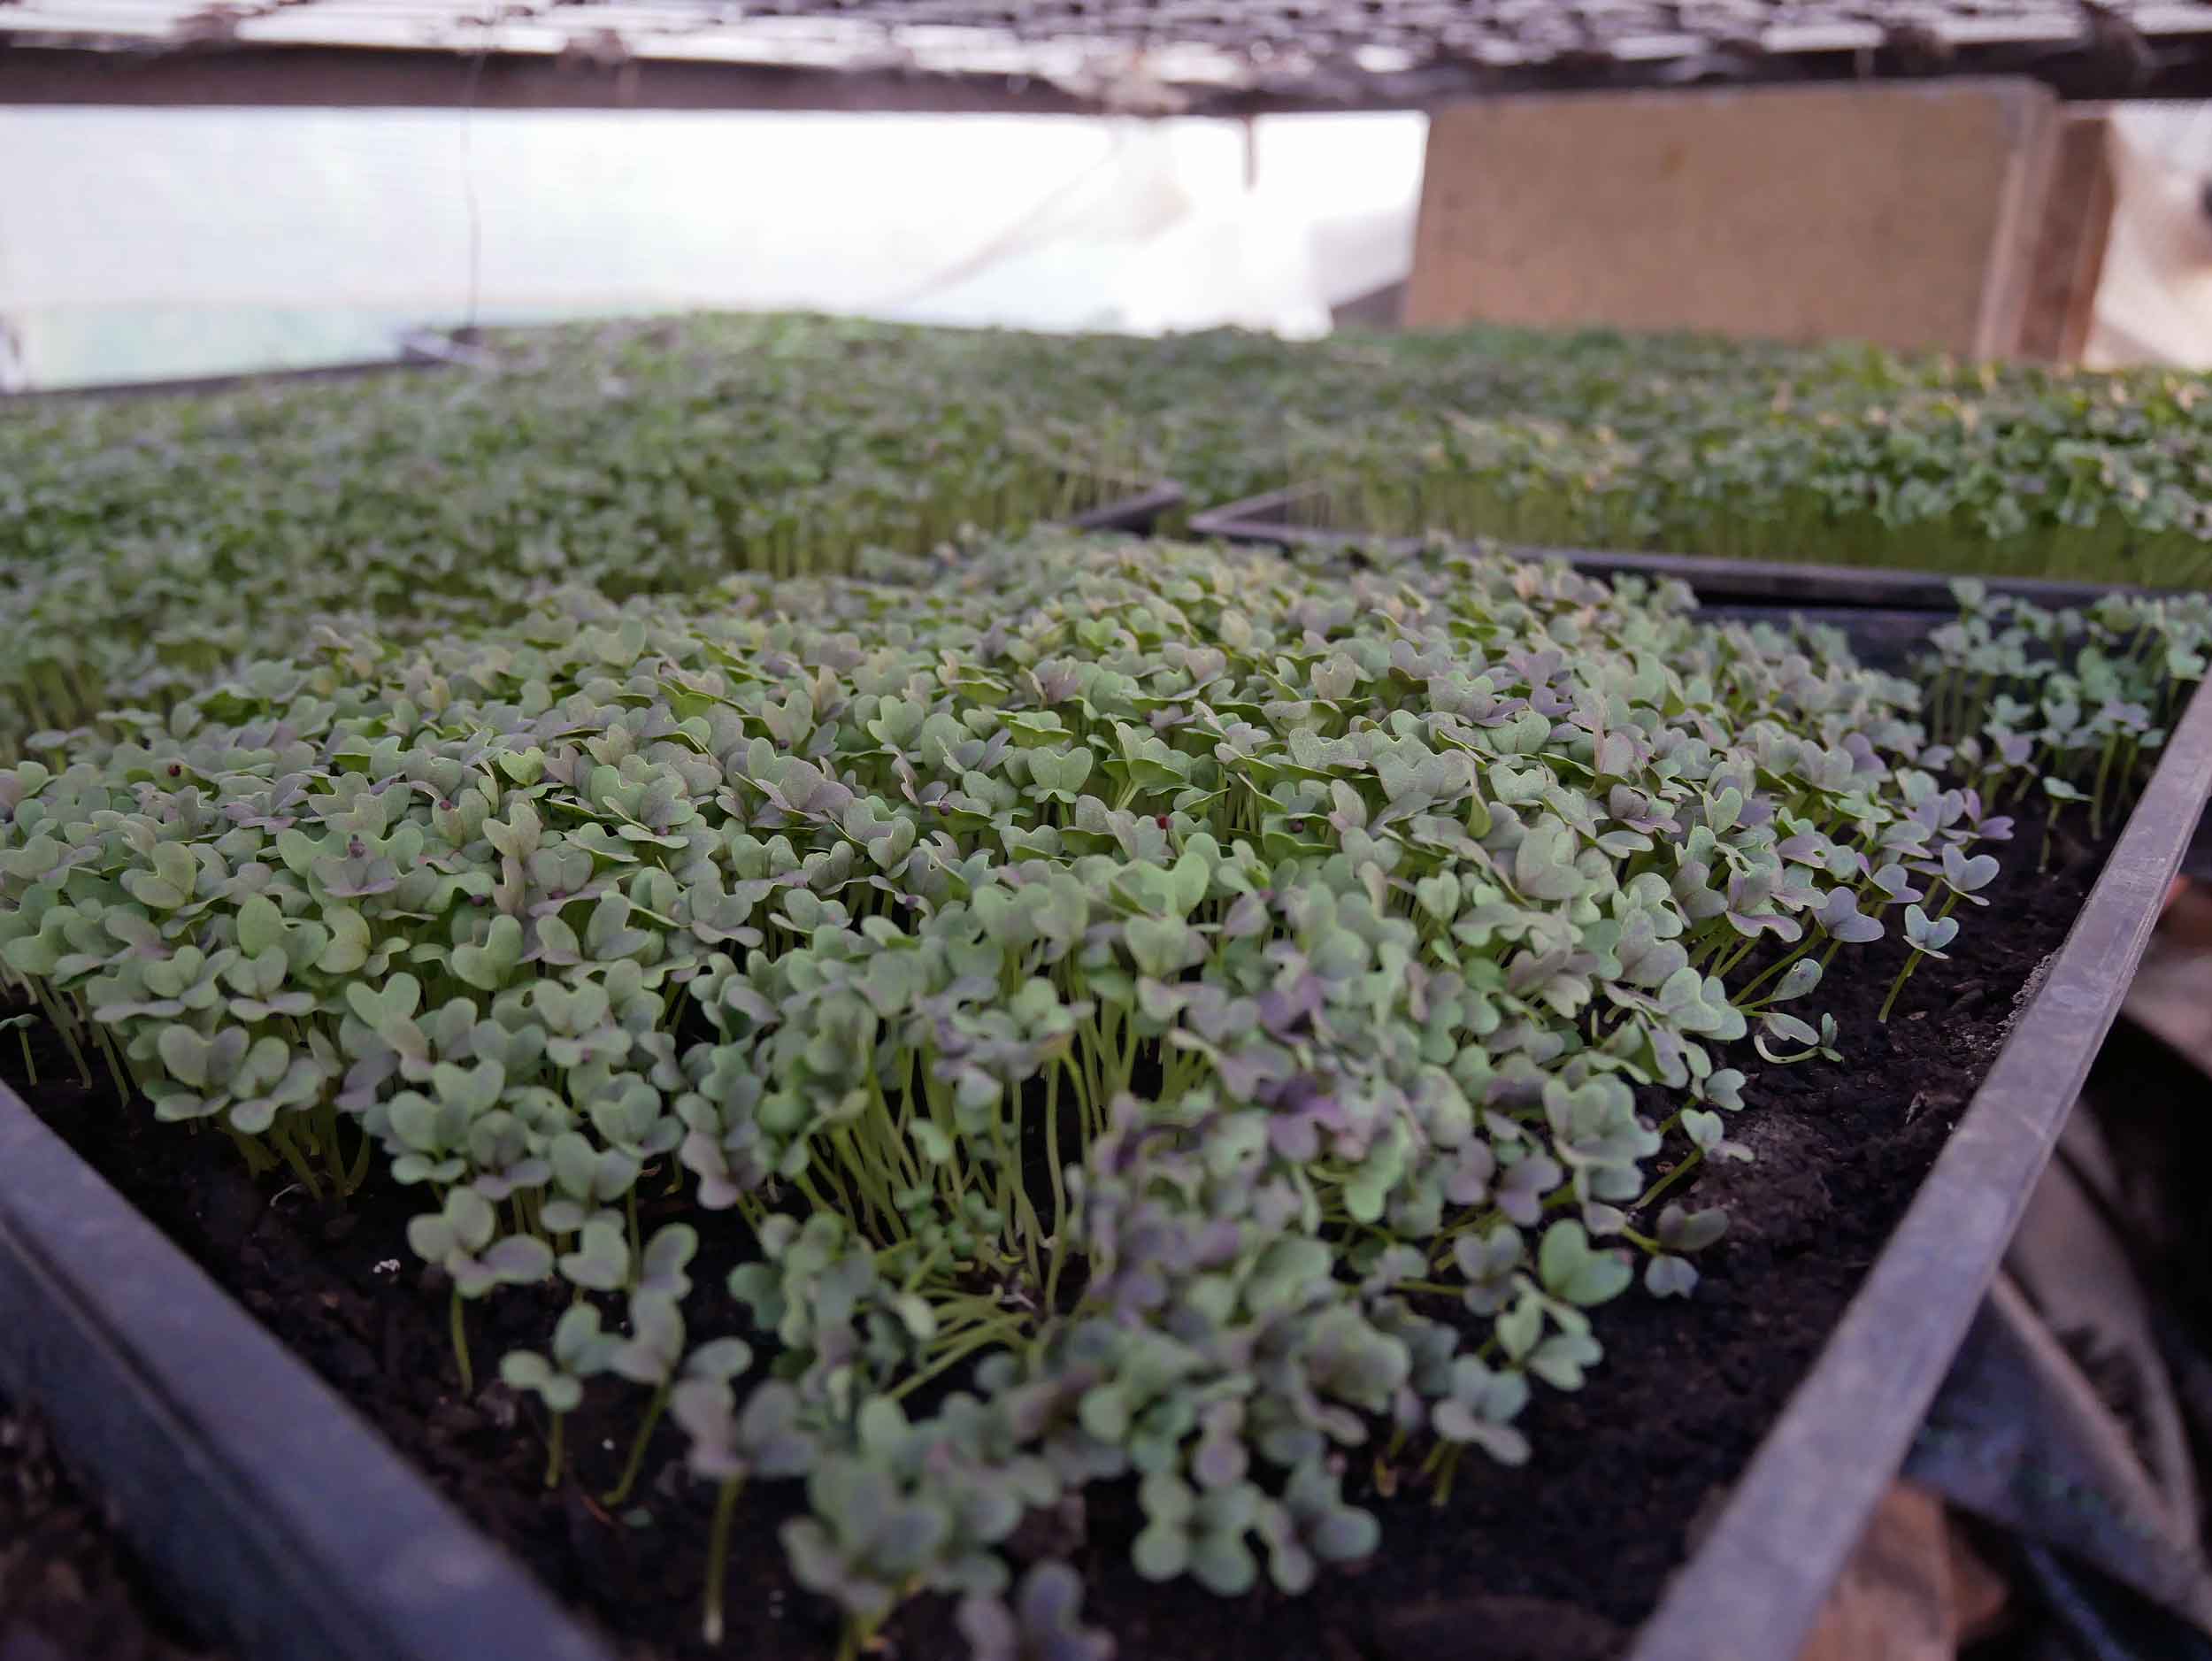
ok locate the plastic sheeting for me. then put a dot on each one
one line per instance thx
(141, 244)
(2154, 300)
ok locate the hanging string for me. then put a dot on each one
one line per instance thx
(468, 187)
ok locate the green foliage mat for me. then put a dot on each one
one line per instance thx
(1226, 1017)
(1682, 1397)
(146, 545)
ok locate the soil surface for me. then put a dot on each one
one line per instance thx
(1556, 1561)
(69, 1590)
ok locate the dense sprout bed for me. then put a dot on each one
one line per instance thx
(1687, 443)
(1138, 1013)
(146, 545)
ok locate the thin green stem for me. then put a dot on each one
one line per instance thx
(257, 1157)
(459, 1326)
(287, 1146)
(1775, 968)
(1060, 1219)
(66, 1027)
(969, 1342)
(620, 1491)
(358, 1172)
(718, 1556)
(1897, 986)
(2096, 794)
(1688, 1163)
(117, 1071)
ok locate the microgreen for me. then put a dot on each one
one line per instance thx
(1111, 1011)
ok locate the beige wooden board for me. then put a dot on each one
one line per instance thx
(1914, 1589)
(1903, 215)
(2077, 225)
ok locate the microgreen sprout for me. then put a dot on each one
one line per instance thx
(1100, 1006)
(580, 1352)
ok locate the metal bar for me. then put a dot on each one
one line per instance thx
(266, 1506)
(139, 67)
(1758, 1581)
(357, 77)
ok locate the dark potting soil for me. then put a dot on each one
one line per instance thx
(1556, 1561)
(69, 1589)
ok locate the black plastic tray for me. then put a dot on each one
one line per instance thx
(263, 1504)
(1137, 514)
(418, 348)
(1262, 520)
(1882, 638)
(280, 1517)
(1757, 1582)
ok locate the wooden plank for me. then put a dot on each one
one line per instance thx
(1885, 214)
(2069, 254)
(2009, 279)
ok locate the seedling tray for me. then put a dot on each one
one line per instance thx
(259, 1494)
(1756, 1583)
(257, 1498)
(1266, 519)
(418, 348)
(285, 1519)
(1138, 509)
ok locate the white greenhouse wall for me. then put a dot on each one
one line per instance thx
(138, 244)
(2154, 302)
